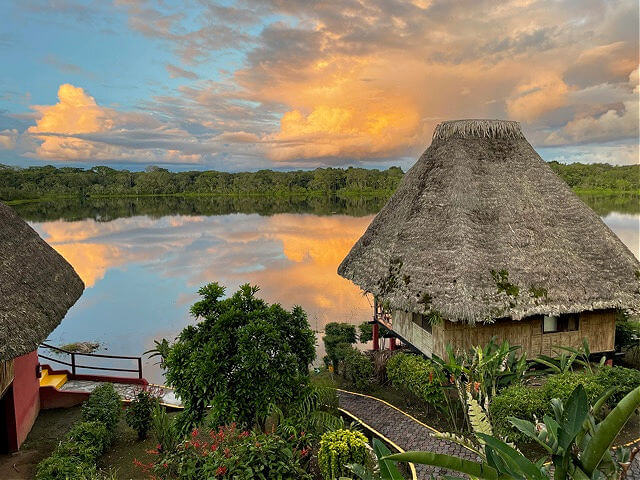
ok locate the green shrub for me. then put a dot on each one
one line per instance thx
(91, 438)
(519, 401)
(138, 414)
(103, 405)
(339, 448)
(622, 379)
(418, 376)
(562, 384)
(64, 467)
(358, 368)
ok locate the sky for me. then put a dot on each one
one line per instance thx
(288, 84)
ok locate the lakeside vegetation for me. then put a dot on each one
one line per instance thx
(19, 184)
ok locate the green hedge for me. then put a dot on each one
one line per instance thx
(75, 457)
(518, 401)
(417, 375)
(622, 379)
(524, 401)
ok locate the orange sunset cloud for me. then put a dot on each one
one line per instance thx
(75, 113)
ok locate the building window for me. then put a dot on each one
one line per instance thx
(569, 322)
(422, 321)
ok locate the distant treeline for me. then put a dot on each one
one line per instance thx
(36, 182)
(48, 181)
(598, 177)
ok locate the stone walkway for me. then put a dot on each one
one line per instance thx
(409, 434)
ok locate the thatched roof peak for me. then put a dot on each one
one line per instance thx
(37, 287)
(477, 128)
(481, 228)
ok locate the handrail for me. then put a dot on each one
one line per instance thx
(75, 365)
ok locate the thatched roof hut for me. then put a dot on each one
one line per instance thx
(481, 228)
(37, 287)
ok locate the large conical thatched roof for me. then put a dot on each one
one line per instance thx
(480, 199)
(37, 287)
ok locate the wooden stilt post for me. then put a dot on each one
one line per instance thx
(376, 339)
(392, 343)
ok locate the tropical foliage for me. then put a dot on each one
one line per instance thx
(577, 446)
(243, 356)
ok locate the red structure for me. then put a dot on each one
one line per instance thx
(20, 402)
(38, 287)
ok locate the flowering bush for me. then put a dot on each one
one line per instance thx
(231, 453)
(339, 448)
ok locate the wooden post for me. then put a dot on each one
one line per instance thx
(376, 339)
(73, 363)
(139, 367)
(392, 343)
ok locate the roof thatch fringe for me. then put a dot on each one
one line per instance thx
(481, 228)
(478, 128)
(37, 287)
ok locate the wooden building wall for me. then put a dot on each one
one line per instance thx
(598, 327)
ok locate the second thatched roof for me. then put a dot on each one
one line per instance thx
(37, 287)
(481, 228)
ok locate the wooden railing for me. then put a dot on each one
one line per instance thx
(74, 364)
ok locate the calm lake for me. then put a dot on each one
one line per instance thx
(142, 260)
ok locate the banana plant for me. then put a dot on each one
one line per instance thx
(387, 469)
(577, 447)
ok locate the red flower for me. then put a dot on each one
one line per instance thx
(221, 470)
(194, 433)
(227, 452)
(304, 452)
(430, 377)
(214, 447)
(165, 465)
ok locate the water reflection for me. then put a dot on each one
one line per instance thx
(143, 259)
(142, 273)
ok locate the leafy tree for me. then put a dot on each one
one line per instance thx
(243, 356)
(338, 338)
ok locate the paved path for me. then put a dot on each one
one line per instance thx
(401, 429)
(409, 434)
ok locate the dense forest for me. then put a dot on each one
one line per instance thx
(48, 181)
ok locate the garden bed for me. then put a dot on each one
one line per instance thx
(52, 425)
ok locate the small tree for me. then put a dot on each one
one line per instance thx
(139, 413)
(244, 356)
(338, 338)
